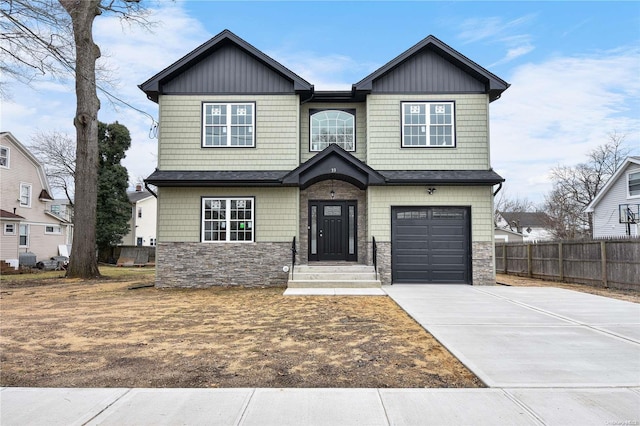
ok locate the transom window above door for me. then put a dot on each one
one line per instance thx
(332, 127)
(228, 125)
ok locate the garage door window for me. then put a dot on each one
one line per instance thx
(447, 214)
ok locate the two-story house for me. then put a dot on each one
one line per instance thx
(28, 224)
(616, 208)
(251, 156)
(142, 224)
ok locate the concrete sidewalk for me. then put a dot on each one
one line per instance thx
(551, 357)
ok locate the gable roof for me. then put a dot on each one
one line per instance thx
(9, 216)
(46, 189)
(526, 219)
(135, 196)
(494, 85)
(612, 180)
(153, 86)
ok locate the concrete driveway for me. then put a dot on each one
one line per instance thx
(531, 337)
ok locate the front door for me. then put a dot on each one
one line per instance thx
(333, 230)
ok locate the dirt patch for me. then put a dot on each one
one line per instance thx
(512, 280)
(58, 333)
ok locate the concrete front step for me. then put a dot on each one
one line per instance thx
(333, 276)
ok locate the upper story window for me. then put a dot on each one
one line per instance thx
(4, 156)
(227, 219)
(228, 124)
(634, 184)
(25, 195)
(428, 124)
(332, 126)
(139, 212)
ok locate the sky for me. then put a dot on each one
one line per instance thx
(574, 68)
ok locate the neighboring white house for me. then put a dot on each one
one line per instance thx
(533, 226)
(618, 203)
(506, 235)
(142, 224)
(28, 225)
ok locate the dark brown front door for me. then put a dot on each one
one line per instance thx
(333, 230)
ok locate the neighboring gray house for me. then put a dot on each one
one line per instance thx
(616, 208)
(533, 226)
(252, 158)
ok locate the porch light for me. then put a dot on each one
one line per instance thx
(431, 191)
(333, 194)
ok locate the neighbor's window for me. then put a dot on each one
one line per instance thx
(25, 195)
(332, 127)
(228, 124)
(227, 219)
(49, 229)
(428, 124)
(24, 236)
(634, 184)
(4, 156)
(152, 241)
(9, 229)
(139, 212)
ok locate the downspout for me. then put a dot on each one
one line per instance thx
(146, 186)
(495, 193)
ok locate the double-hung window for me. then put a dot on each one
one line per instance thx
(228, 124)
(428, 124)
(227, 219)
(332, 127)
(25, 195)
(24, 236)
(4, 157)
(634, 184)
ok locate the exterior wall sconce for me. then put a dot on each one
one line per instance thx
(431, 191)
(332, 193)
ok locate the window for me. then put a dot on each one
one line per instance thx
(55, 209)
(25, 195)
(139, 211)
(428, 124)
(24, 236)
(332, 126)
(227, 219)
(152, 241)
(634, 184)
(228, 124)
(4, 156)
(9, 229)
(50, 229)
(139, 241)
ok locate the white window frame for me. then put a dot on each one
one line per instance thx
(56, 230)
(20, 235)
(7, 157)
(7, 231)
(30, 189)
(228, 126)
(342, 144)
(226, 222)
(152, 241)
(425, 127)
(632, 172)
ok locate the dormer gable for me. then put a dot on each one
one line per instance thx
(226, 64)
(432, 66)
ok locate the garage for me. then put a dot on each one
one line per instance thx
(431, 245)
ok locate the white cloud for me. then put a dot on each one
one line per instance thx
(556, 111)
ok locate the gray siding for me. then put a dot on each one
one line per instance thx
(427, 72)
(228, 70)
(606, 220)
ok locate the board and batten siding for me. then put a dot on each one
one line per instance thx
(606, 218)
(276, 135)
(361, 127)
(179, 212)
(384, 133)
(380, 200)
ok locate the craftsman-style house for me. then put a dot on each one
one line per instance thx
(252, 162)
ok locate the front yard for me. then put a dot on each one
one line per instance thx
(64, 333)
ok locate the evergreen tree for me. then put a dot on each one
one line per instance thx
(113, 208)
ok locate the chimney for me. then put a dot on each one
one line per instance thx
(138, 187)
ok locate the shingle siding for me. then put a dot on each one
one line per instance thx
(276, 135)
(384, 121)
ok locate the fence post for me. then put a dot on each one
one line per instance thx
(560, 263)
(504, 258)
(529, 261)
(603, 257)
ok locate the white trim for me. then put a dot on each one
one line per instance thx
(227, 219)
(228, 125)
(13, 225)
(629, 173)
(427, 125)
(28, 228)
(630, 160)
(8, 165)
(25, 185)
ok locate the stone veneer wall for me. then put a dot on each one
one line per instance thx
(483, 271)
(200, 265)
(344, 192)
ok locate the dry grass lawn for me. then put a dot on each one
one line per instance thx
(63, 333)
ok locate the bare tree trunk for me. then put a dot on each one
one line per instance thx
(84, 261)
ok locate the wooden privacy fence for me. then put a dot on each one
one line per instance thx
(608, 263)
